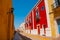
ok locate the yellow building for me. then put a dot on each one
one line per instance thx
(53, 9)
(53, 19)
(6, 20)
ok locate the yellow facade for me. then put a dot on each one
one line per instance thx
(6, 20)
(53, 14)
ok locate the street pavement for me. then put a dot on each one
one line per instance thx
(25, 36)
(19, 36)
(38, 37)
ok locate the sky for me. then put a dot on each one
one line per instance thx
(21, 10)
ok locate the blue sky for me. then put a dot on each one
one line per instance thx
(21, 9)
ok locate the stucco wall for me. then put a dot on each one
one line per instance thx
(6, 30)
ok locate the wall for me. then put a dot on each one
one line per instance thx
(6, 30)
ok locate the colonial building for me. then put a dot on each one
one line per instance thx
(36, 21)
(44, 19)
(54, 15)
(6, 20)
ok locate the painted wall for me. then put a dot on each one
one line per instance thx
(42, 17)
(47, 16)
(53, 13)
(6, 25)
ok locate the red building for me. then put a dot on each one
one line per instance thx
(37, 19)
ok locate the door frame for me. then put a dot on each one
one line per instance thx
(56, 25)
(38, 29)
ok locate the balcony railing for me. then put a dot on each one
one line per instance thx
(56, 4)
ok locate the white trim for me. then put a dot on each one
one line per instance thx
(53, 1)
(36, 7)
(41, 31)
(48, 32)
(47, 13)
(33, 18)
(34, 32)
(26, 31)
(56, 25)
(56, 28)
(37, 28)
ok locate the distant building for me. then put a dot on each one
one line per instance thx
(22, 27)
(44, 19)
(6, 20)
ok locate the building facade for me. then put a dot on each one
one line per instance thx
(54, 15)
(44, 19)
(21, 28)
(6, 20)
(36, 21)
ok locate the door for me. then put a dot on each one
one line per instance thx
(38, 27)
(44, 27)
(58, 22)
(38, 30)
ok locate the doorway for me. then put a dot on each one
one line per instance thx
(38, 27)
(44, 30)
(58, 23)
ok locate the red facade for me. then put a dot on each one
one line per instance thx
(30, 21)
(34, 14)
(26, 24)
(38, 16)
(42, 12)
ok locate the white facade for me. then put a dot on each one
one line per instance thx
(22, 27)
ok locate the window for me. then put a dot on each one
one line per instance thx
(37, 16)
(56, 3)
(42, 8)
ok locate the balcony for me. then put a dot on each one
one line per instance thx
(56, 5)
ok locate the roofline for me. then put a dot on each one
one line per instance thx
(33, 7)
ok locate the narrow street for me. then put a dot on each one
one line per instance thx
(25, 36)
(20, 37)
(17, 37)
(29, 19)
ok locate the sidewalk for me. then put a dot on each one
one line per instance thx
(36, 37)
